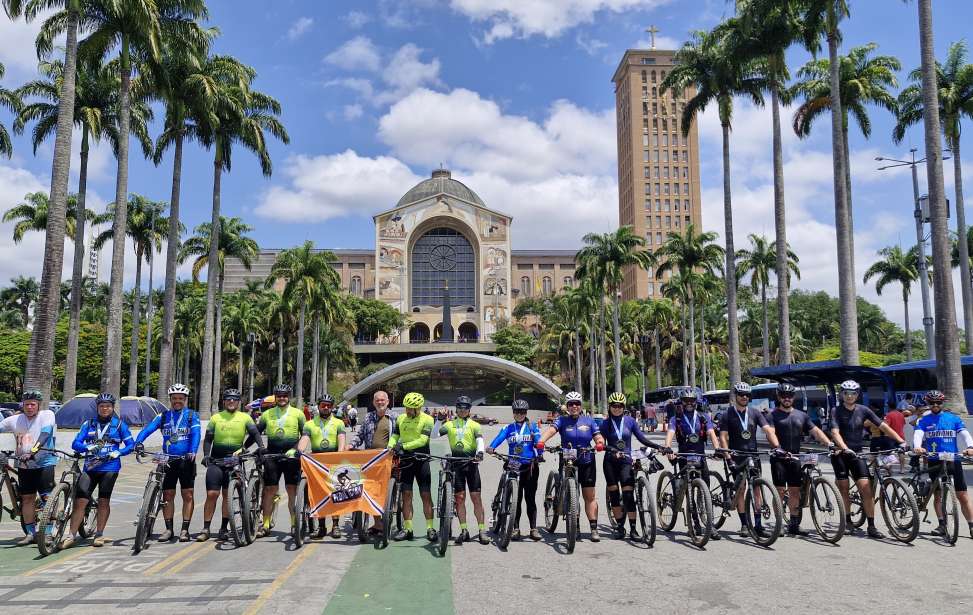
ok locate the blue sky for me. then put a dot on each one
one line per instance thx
(516, 98)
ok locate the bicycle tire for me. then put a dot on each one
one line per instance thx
(359, 521)
(146, 520)
(612, 521)
(391, 502)
(665, 498)
(771, 510)
(446, 505)
(722, 498)
(552, 502)
(89, 521)
(950, 507)
(645, 505)
(53, 519)
(825, 498)
(899, 503)
(571, 512)
(699, 509)
(254, 493)
(300, 506)
(856, 511)
(495, 507)
(239, 511)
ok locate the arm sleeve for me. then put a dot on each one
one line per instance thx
(967, 438)
(127, 439)
(479, 440)
(79, 439)
(301, 421)
(194, 432)
(672, 424)
(208, 441)
(443, 430)
(254, 434)
(917, 437)
(149, 429)
(498, 440)
(262, 423)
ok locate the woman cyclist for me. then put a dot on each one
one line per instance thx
(521, 437)
(618, 430)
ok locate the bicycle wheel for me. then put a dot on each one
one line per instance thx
(446, 505)
(54, 519)
(699, 512)
(666, 501)
(571, 512)
(552, 501)
(388, 515)
(645, 507)
(722, 498)
(255, 487)
(827, 509)
(359, 521)
(147, 516)
(950, 508)
(507, 520)
(899, 509)
(89, 522)
(763, 502)
(300, 506)
(612, 521)
(495, 508)
(239, 512)
(856, 512)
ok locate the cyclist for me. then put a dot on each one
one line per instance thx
(690, 427)
(226, 433)
(410, 434)
(106, 438)
(326, 434)
(847, 429)
(618, 430)
(283, 425)
(353, 416)
(937, 432)
(738, 427)
(33, 429)
(465, 438)
(578, 431)
(521, 436)
(180, 438)
(790, 425)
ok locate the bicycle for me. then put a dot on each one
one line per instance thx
(152, 499)
(899, 508)
(10, 486)
(644, 464)
(55, 516)
(941, 490)
(254, 492)
(446, 502)
(243, 529)
(305, 524)
(393, 503)
(562, 493)
(504, 506)
(760, 500)
(820, 495)
(698, 506)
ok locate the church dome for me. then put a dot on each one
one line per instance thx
(441, 182)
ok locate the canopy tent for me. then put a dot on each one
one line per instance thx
(133, 410)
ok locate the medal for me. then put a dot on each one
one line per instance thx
(694, 438)
(745, 435)
(518, 449)
(281, 417)
(620, 445)
(693, 427)
(280, 432)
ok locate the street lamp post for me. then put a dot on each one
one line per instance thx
(644, 340)
(252, 338)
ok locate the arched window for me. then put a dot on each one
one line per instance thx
(525, 286)
(419, 333)
(443, 255)
(468, 333)
(547, 286)
(568, 281)
(356, 286)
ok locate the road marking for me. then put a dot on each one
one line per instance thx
(178, 555)
(188, 560)
(281, 578)
(78, 553)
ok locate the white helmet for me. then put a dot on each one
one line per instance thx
(573, 396)
(742, 387)
(179, 388)
(850, 385)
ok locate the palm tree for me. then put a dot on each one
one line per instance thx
(31, 215)
(306, 274)
(709, 65)
(20, 295)
(95, 113)
(243, 319)
(233, 243)
(955, 97)
(758, 262)
(280, 316)
(10, 100)
(604, 260)
(898, 267)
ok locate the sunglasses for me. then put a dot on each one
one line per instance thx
(743, 394)
(786, 396)
(935, 403)
(616, 405)
(520, 412)
(573, 403)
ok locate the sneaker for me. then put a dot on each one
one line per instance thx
(535, 534)
(67, 543)
(403, 535)
(184, 536)
(261, 532)
(795, 530)
(715, 536)
(939, 531)
(202, 536)
(335, 532)
(464, 536)
(223, 536)
(99, 541)
(165, 536)
(516, 535)
(619, 532)
(971, 531)
(874, 533)
(633, 534)
(484, 539)
(594, 535)
(29, 539)
(431, 535)
(744, 532)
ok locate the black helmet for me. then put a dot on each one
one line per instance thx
(326, 398)
(520, 405)
(31, 394)
(786, 389)
(105, 398)
(282, 389)
(231, 394)
(464, 402)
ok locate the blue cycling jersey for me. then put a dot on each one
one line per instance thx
(577, 433)
(617, 429)
(520, 438)
(940, 432)
(101, 439)
(180, 431)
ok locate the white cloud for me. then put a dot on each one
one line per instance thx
(661, 42)
(356, 19)
(17, 51)
(589, 45)
(299, 28)
(396, 78)
(352, 112)
(363, 87)
(357, 53)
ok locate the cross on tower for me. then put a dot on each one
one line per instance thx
(652, 30)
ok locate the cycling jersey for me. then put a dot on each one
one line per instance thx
(101, 439)
(520, 438)
(691, 429)
(937, 433)
(742, 427)
(28, 433)
(790, 428)
(577, 433)
(283, 427)
(618, 432)
(465, 436)
(413, 432)
(180, 431)
(229, 432)
(324, 433)
(850, 424)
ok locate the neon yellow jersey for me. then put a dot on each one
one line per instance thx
(324, 433)
(283, 427)
(229, 431)
(413, 432)
(462, 435)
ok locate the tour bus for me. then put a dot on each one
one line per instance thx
(917, 377)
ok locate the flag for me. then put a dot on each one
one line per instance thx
(345, 482)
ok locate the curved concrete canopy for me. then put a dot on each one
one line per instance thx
(489, 363)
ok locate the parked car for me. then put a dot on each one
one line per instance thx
(484, 420)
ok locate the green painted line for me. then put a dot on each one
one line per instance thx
(16, 560)
(406, 578)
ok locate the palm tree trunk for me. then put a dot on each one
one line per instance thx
(592, 365)
(685, 347)
(766, 325)
(947, 342)
(603, 391)
(218, 345)
(780, 228)
(253, 359)
(212, 281)
(702, 339)
(848, 309)
(185, 364)
(172, 253)
(964, 261)
(692, 341)
(133, 355)
(616, 334)
(280, 354)
(908, 333)
(77, 276)
(848, 192)
(315, 356)
(299, 362)
(733, 329)
(38, 372)
(111, 369)
(658, 359)
(324, 373)
(239, 371)
(577, 362)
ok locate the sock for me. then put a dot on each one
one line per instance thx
(743, 518)
(942, 521)
(293, 517)
(482, 527)
(206, 525)
(428, 524)
(185, 525)
(848, 519)
(462, 526)
(970, 523)
(224, 523)
(99, 534)
(407, 525)
(631, 522)
(757, 522)
(871, 522)
(593, 523)
(32, 528)
(169, 524)
(266, 522)
(795, 520)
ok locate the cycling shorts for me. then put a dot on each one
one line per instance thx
(738, 465)
(954, 467)
(587, 474)
(104, 481)
(786, 472)
(289, 468)
(36, 480)
(417, 471)
(217, 476)
(617, 471)
(845, 465)
(466, 476)
(180, 470)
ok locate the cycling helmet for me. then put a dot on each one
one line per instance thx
(616, 398)
(742, 388)
(687, 394)
(786, 389)
(179, 388)
(326, 398)
(464, 402)
(231, 394)
(573, 396)
(413, 400)
(520, 405)
(935, 395)
(282, 389)
(105, 398)
(31, 394)
(850, 385)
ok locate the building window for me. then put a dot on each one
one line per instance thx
(665, 140)
(668, 222)
(656, 189)
(675, 189)
(655, 155)
(685, 188)
(467, 333)
(547, 286)
(568, 281)
(658, 221)
(658, 239)
(665, 172)
(677, 221)
(356, 286)
(645, 155)
(655, 123)
(665, 155)
(645, 140)
(655, 173)
(655, 140)
(665, 205)
(687, 217)
(653, 72)
(658, 204)
(655, 92)
(665, 125)
(651, 288)
(648, 204)
(419, 333)
(685, 156)
(645, 123)
(644, 77)
(645, 91)
(525, 286)
(648, 238)
(675, 205)
(646, 172)
(443, 255)
(649, 61)
(686, 204)
(645, 108)
(685, 173)
(665, 189)
(648, 188)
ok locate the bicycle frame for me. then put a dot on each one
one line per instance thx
(8, 482)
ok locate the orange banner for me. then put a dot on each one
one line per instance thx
(341, 483)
